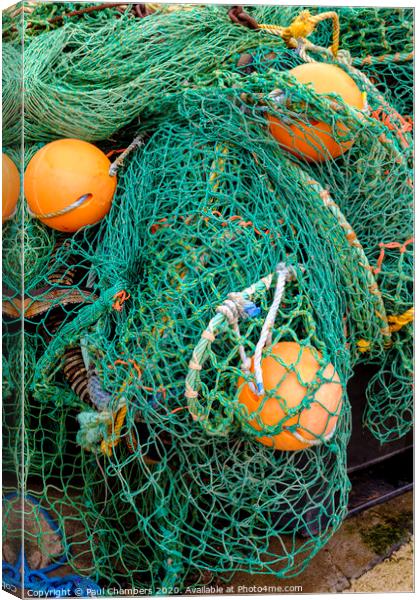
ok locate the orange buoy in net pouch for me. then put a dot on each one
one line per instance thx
(291, 374)
(68, 185)
(10, 188)
(316, 140)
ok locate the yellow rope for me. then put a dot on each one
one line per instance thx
(108, 445)
(363, 346)
(303, 26)
(396, 322)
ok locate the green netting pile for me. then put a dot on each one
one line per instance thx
(39, 17)
(139, 331)
(11, 94)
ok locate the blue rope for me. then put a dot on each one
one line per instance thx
(19, 575)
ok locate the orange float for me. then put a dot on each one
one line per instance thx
(68, 186)
(315, 140)
(10, 187)
(288, 386)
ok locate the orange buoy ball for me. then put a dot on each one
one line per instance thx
(68, 186)
(315, 140)
(10, 187)
(288, 384)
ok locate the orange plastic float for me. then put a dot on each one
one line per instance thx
(68, 186)
(315, 141)
(10, 187)
(315, 422)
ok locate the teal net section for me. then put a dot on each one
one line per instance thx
(199, 260)
(11, 93)
(186, 359)
(76, 72)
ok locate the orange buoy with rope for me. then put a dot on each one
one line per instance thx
(290, 373)
(68, 185)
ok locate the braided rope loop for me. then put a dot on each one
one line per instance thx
(236, 306)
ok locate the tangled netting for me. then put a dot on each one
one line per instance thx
(11, 93)
(139, 331)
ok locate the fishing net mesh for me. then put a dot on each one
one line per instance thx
(141, 334)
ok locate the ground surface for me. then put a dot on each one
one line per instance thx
(355, 559)
(393, 574)
(372, 552)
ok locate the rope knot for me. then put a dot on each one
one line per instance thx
(301, 27)
(289, 271)
(233, 308)
(295, 35)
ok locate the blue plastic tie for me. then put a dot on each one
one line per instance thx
(252, 310)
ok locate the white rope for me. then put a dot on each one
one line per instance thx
(61, 211)
(285, 274)
(315, 442)
(233, 309)
(304, 45)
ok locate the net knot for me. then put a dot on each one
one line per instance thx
(233, 308)
(193, 364)
(119, 299)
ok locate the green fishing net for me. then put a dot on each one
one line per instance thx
(142, 332)
(76, 71)
(28, 19)
(11, 93)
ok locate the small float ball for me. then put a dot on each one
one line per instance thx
(315, 140)
(68, 186)
(287, 385)
(10, 187)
